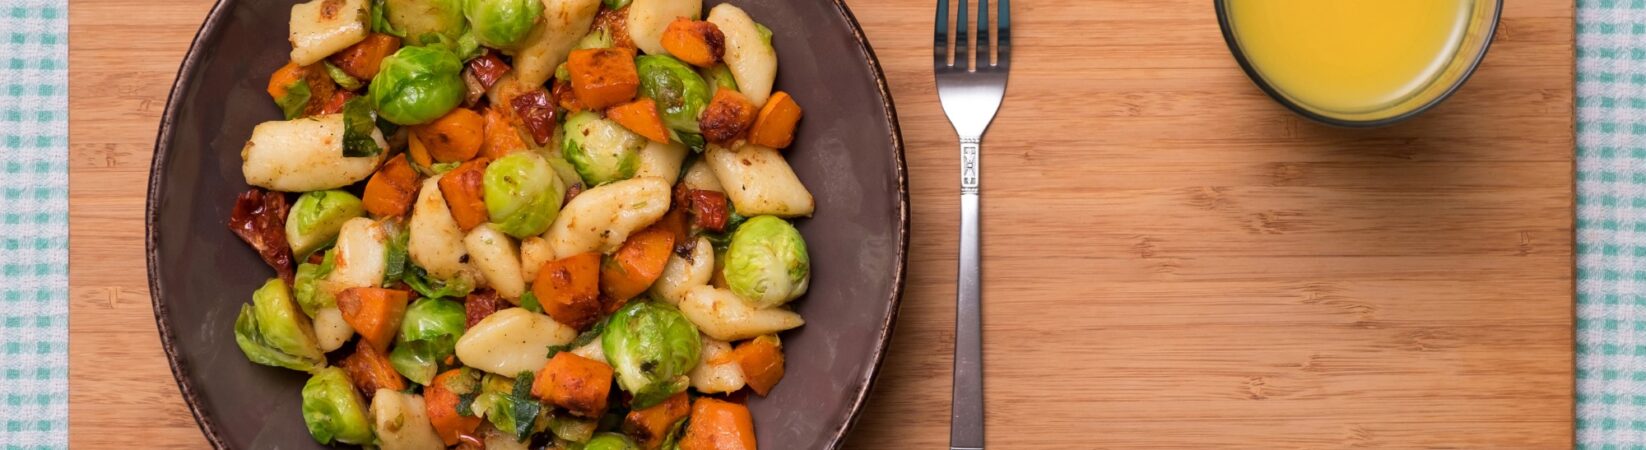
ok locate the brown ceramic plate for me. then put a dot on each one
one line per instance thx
(849, 152)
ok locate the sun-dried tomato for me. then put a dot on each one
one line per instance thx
(488, 68)
(259, 218)
(709, 209)
(536, 109)
(482, 303)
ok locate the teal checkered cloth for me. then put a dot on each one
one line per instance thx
(1611, 224)
(34, 231)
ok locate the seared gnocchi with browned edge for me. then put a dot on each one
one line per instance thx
(525, 224)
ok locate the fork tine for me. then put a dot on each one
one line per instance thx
(962, 52)
(940, 48)
(1003, 31)
(983, 44)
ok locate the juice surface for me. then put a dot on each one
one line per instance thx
(1349, 56)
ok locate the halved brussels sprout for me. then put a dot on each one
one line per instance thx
(333, 410)
(271, 331)
(680, 93)
(306, 288)
(428, 335)
(523, 194)
(502, 23)
(651, 347)
(601, 150)
(718, 77)
(610, 441)
(317, 217)
(416, 85)
(423, 20)
(767, 263)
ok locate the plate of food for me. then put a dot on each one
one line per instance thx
(502, 224)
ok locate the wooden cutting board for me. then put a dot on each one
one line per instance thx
(1172, 260)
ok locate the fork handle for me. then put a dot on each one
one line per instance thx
(966, 415)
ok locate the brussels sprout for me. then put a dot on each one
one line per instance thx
(572, 428)
(523, 194)
(428, 336)
(271, 331)
(416, 85)
(610, 441)
(421, 21)
(767, 263)
(718, 77)
(306, 286)
(509, 405)
(651, 347)
(601, 150)
(680, 93)
(317, 217)
(333, 410)
(597, 38)
(502, 23)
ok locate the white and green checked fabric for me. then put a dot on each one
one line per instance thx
(1611, 224)
(34, 309)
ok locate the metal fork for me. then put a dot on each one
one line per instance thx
(971, 83)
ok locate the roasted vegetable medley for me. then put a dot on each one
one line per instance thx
(513, 224)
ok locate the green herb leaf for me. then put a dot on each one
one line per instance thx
(616, 4)
(358, 125)
(419, 281)
(465, 404)
(440, 168)
(691, 140)
(528, 300)
(380, 22)
(296, 99)
(398, 257)
(342, 78)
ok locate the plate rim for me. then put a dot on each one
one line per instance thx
(160, 161)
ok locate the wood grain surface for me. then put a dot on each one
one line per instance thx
(1171, 259)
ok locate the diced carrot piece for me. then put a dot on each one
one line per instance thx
(675, 219)
(728, 116)
(640, 116)
(418, 152)
(441, 401)
(370, 370)
(502, 137)
(392, 189)
(775, 126)
(637, 264)
(565, 97)
(718, 425)
(320, 86)
(281, 81)
(603, 77)
(453, 137)
(464, 190)
(363, 59)
(696, 42)
(576, 383)
(762, 361)
(335, 104)
(650, 426)
(569, 289)
(373, 312)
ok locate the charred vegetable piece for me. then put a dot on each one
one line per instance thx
(568, 289)
(392, 188)
(370, 370)
(614, 21)
(602, 77)
(259, 218)
(579, 384)
(640, 116)
(536, 109)
(443, 397)
(454, 137)
(762, 361)
(727, 118)
(718, 425)
(651, 426)
(696, 42)
(362, 60)
(465, 193)
(375, 313)
(333, 410)
(774, 127)
(637, 264)
(273, 332)
(651, 347)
